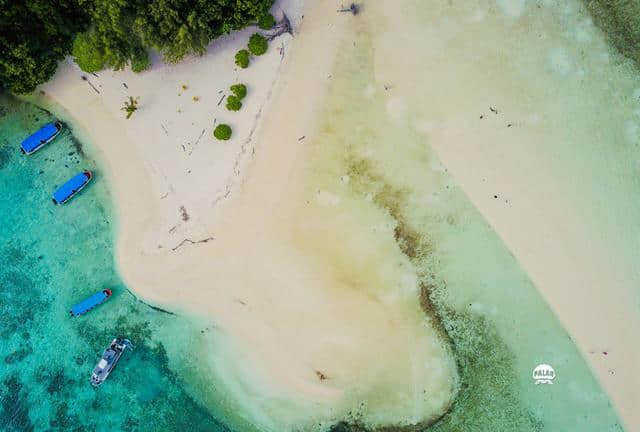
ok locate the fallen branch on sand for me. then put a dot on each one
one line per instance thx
(84, 78)
(283, 26)
(192, 242)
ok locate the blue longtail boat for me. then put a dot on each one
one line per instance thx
(74, 185)
(90, 302)
(40, 138)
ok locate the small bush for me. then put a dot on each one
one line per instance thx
(266, 21)
(240, 90)
(242, 58)
(222, 132)
(257, 44)
(233, 103)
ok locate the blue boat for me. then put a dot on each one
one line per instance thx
(89, 303)
(40, 138)
(74, 185)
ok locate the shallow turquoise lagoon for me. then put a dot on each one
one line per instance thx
(53, 256)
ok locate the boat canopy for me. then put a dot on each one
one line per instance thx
(72, 186)
(40, 137)
(90, 302)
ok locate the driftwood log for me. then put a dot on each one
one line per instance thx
(353, 8)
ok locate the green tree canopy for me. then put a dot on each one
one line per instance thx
(87, 53)
(36, 34)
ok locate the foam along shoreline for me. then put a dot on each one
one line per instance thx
(204, 227)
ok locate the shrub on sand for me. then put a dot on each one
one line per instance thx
(257, 44)
(240, 90)
(242, 58)
(222, 132)
(233, 103)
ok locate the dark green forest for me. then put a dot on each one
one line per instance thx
(36, 34)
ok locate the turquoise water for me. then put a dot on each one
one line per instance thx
(52, 257)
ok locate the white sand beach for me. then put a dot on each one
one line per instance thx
(215, 228)
(205, 227)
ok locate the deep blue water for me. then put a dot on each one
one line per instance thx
(51, 257)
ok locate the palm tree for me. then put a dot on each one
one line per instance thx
(130, 106)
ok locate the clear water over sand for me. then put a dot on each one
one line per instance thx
(373, 154)
(53, 257)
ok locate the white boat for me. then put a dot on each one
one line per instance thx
(110, 357)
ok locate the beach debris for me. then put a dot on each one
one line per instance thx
(183, 214)
(283, 26)
(166, 132)
(197, 141)
(84, 78)
(125, 85)
(493, 110)
(353, 8)
(191, 242)
(388, 87)
(156, 308)
(165, 195)
(509, 124)
(302, 137)
(221, 99)
(320, 375)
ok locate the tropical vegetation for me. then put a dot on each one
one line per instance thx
(222, 132)
(239, 90)
(36, 34)
(130, 106)
(233, 103)
(257, 44)
(242, 58)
